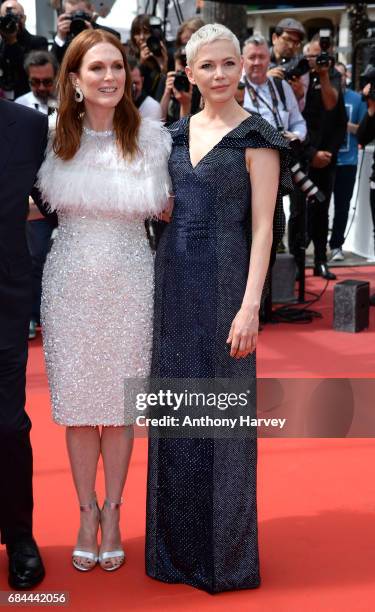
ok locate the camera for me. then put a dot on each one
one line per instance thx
(78, 24)
(300, 178)
(295, 67)
(324, 58)
(9, 22)
(154, 40)
(181, 82)
(368, 76)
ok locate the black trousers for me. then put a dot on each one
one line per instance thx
(316, 226)
(16, 462)
(343, 191)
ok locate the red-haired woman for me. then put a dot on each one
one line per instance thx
(104, 173)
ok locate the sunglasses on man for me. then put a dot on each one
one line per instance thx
(34, 82)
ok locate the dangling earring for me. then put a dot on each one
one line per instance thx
(78, 95)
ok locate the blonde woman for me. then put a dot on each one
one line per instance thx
(211, 266)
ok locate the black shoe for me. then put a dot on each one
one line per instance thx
(372, 299)
(26, 567)
(323, 270)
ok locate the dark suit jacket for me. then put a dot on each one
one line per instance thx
(59, 52)
(23, 139)
(13, 57)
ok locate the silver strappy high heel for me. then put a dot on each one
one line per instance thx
(117, 555)
(87, 556)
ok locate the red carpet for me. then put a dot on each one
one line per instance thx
(316, 497)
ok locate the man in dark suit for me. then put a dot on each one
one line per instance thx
(23, 137)
(15, 43)
(64, 36)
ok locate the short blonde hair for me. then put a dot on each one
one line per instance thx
(208, 34)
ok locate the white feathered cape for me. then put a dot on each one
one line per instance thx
(99, 178)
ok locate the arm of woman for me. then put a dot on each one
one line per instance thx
(264, 168)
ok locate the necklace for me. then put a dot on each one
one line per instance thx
(100, 140)
(90, 132)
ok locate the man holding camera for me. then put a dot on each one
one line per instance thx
(15, 43)
(326, 120)
(78, 15)
(286, 54)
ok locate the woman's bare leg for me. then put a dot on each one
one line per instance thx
(116, 449)
(83, 445)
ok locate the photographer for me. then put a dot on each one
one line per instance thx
(78, 15)
(15, 43)
(180, 97)
(286, 56)
(148, 46)
(326, 120)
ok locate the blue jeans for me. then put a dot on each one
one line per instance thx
(38, 237)
(343, 191)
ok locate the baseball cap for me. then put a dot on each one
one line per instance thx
(293, 25)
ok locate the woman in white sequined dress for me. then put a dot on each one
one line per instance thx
(104, 173)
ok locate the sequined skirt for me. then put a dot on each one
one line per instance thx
(96, 313)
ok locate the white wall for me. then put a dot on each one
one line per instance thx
(29, 7)
(120, 17)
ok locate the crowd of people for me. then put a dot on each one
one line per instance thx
(231, 123)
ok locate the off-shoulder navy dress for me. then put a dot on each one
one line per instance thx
(201, 502)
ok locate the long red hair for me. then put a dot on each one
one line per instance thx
(126, 119)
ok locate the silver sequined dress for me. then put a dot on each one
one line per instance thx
(97, 298)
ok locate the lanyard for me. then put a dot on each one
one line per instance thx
(255, 97)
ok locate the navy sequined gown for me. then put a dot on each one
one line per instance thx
(201, 503)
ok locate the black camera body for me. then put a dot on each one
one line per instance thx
(155, 39)
(368, 76)
(324, 58)
(9, 22)
(181, 82)
(295, 67)
(78, 19)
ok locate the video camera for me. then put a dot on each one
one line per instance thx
(324, 58)
(155, 39)
(295, 67)
(9, 22)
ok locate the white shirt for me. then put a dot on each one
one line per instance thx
(150, 108)
(291, 119)
(32, 101)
